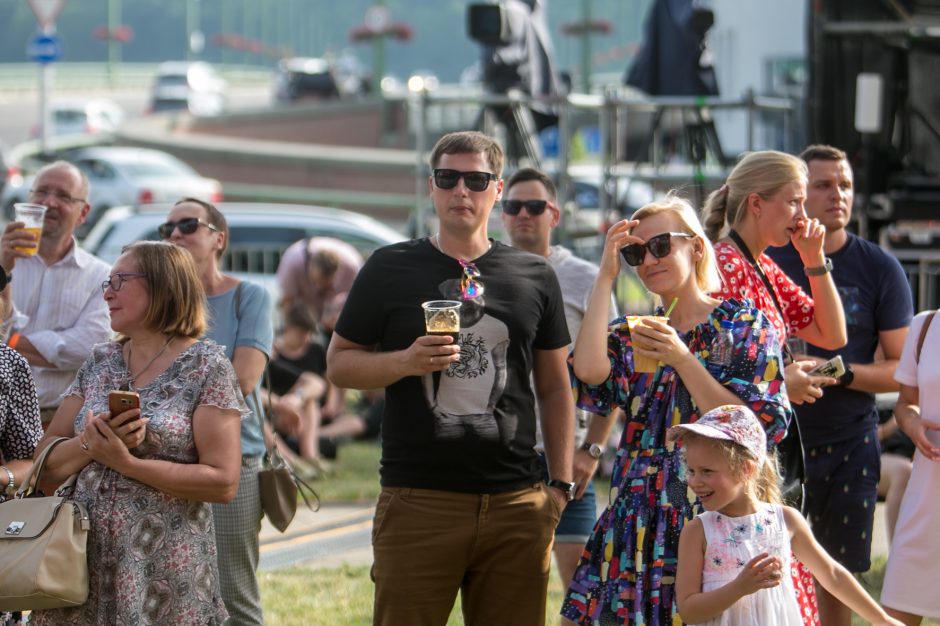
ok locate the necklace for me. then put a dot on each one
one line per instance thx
(132, 378)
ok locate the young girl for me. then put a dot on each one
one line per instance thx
(733, 557)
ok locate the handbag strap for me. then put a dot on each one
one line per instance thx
(746, 253)
(923, 335)
(33, 476)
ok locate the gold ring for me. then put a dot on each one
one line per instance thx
(84, 445)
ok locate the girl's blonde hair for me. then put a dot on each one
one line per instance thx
(763, 483)
(706, 268)
(763, 173)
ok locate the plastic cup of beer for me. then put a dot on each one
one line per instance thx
(644, 364)
(442, 317)
(31, 215)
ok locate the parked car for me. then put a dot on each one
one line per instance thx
(193, 87)
(258, 233)
(125, 176)
(80, 117)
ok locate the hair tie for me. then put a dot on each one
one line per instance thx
(723, 190)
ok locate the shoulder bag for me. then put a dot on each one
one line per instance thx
(923, 335)
(790, 462)
(277, 482)
(42, 545)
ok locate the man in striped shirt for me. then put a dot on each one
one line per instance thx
(57, 312)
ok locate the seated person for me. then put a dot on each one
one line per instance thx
(298, 387)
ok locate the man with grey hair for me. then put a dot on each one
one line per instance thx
(57, 311)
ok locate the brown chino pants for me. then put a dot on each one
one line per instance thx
(495, 549)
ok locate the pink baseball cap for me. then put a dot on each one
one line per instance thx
(730, 422)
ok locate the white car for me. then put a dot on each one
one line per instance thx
(83, 117)
(125, 176)
(259, 233)
(194, 87)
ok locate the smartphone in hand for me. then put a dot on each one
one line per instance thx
(833, 368)
(121, 401)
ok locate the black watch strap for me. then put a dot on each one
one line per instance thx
(565, 487)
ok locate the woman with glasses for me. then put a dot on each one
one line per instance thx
(146, 475)
(627, 572)
(240, 321)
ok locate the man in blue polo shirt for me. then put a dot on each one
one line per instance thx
(840, 429)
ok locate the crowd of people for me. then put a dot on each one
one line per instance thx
(744, 484)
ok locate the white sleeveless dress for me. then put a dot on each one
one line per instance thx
(731, 543)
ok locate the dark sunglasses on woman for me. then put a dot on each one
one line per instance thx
(532, 207)
(475, 181)
(187, 226)
(659, 246)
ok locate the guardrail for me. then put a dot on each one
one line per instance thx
(24, 77)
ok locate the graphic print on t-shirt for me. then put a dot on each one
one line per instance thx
(462, 398)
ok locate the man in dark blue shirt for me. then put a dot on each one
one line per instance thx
(840, 429)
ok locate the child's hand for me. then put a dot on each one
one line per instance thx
(761, 572)
(889, 622)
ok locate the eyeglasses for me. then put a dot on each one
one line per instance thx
(659, 246)
(470, 287)
(42, 194)
(475, 181)
(532, 207)
(187, 226)
(117, 280)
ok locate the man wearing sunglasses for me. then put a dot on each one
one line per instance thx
(530, 214)
(464, 507)
(56, 310)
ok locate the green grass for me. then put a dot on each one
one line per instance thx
(354, 476)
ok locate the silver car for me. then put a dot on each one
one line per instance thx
(126, 176)
(258, 233)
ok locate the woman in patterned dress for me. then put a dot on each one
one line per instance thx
(147, 475)
(627, 571)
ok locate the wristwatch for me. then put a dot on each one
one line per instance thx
(825, 268)
(565, 487)
(594, 450)
(846, 379)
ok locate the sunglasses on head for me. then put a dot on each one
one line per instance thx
(532, 207)
(475, 181)
(187, 226)
(659, 246)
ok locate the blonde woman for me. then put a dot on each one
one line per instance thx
(628, 568)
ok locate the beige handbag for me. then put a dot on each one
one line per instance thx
(42, 545)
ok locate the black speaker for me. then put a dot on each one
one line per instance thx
(488, 25)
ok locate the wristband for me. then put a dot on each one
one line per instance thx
(821, 270)
(14, 339)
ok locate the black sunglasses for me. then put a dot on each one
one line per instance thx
(532, 207)
(475, 181)
(659, 246)
(187, 226)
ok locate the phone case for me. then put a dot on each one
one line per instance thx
(834, 368)
(120, 401)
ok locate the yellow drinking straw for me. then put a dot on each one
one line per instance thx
(671, 307)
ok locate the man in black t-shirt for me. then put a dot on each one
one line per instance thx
(462, 505)
(839, 430)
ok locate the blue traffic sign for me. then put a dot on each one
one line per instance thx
(44, 49)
